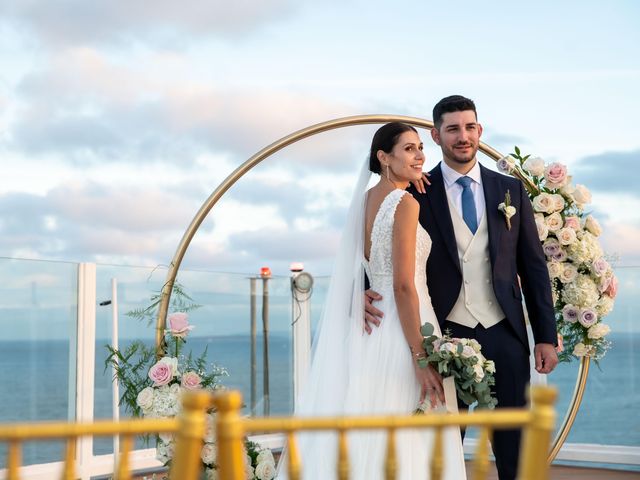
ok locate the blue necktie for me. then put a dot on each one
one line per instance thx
(468, 204)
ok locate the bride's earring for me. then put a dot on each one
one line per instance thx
(388, 173)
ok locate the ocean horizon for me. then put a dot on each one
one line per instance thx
(35, 375)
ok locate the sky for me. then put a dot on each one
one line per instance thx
(118, 119)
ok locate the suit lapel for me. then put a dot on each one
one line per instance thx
(437, 196)
(492, 196)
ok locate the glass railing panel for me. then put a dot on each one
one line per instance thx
(222, 327)
(38, 312)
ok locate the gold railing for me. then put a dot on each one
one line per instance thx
(537, 423)
(189, 429)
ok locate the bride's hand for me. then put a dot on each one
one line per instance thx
(430, 385)
(420, 184)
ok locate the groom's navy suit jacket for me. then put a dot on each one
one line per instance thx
(513, 252)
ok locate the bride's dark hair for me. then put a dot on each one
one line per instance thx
(385, 139)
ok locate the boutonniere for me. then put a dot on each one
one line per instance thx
(507, 209)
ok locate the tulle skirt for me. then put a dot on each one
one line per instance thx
(382, 381)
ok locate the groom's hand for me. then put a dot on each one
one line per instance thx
(546, 357)
(372, 315)
(420, 184)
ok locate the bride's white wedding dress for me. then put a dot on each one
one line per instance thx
(379, 377)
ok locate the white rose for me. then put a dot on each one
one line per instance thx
(479, 372)
(467, 352)
(555, 269)
(592, 226)
(566, 236)
(265, 471)
(475, 345)
(558, 202)
(489, 366)
(265, 456)
(580, 350)
(554, 222)
(534, 165)
(448, 347)
(569, 273)
(543, 203)
(172, 362)
(568, 189)
(209, 453)
(582, 195)
(249, 472)
(598, 330)
(145, 399)
(543, 229)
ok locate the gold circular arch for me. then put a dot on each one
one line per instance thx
(278, 145)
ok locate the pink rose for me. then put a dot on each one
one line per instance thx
(551, 247)
(603, 283)
(559, 256)
(570, 313)
(600, 266)
(572, 222)
(556, 175)
(612, 290)
(191, 381)
(179, 324)
(161, 373)
(587, 317)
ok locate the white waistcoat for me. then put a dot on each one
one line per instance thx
(476, 302)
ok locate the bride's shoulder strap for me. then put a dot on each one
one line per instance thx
(390, 204)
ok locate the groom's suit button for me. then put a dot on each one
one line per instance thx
(465, 260)
(490, 303)
(486, 259)
(466, 282)
(488, 281)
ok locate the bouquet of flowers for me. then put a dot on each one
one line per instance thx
(461, 359)
(154, 388)
(583, 283)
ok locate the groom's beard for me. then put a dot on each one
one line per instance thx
(462, 156)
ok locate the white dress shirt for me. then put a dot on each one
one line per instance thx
(454, 190)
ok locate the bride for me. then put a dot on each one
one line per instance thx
(356, 372)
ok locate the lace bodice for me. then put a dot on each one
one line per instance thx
(379, 268)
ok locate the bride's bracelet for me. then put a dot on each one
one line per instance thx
(418, 355)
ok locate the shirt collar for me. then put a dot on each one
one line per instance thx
(450, 175)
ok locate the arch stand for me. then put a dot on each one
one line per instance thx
(266, 152)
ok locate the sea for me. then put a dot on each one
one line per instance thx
(34, 376)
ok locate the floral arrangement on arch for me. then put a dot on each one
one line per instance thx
(460, 358)
(583, 283)
(154, 388)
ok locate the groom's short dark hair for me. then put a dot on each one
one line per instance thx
(453, 103)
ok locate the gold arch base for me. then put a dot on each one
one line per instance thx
(266, 152)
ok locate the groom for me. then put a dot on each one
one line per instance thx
(475, 261)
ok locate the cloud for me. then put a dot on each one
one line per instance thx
(86, 108)
(621, 241)
(83, 221)
(164, 21)
(612, 172)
